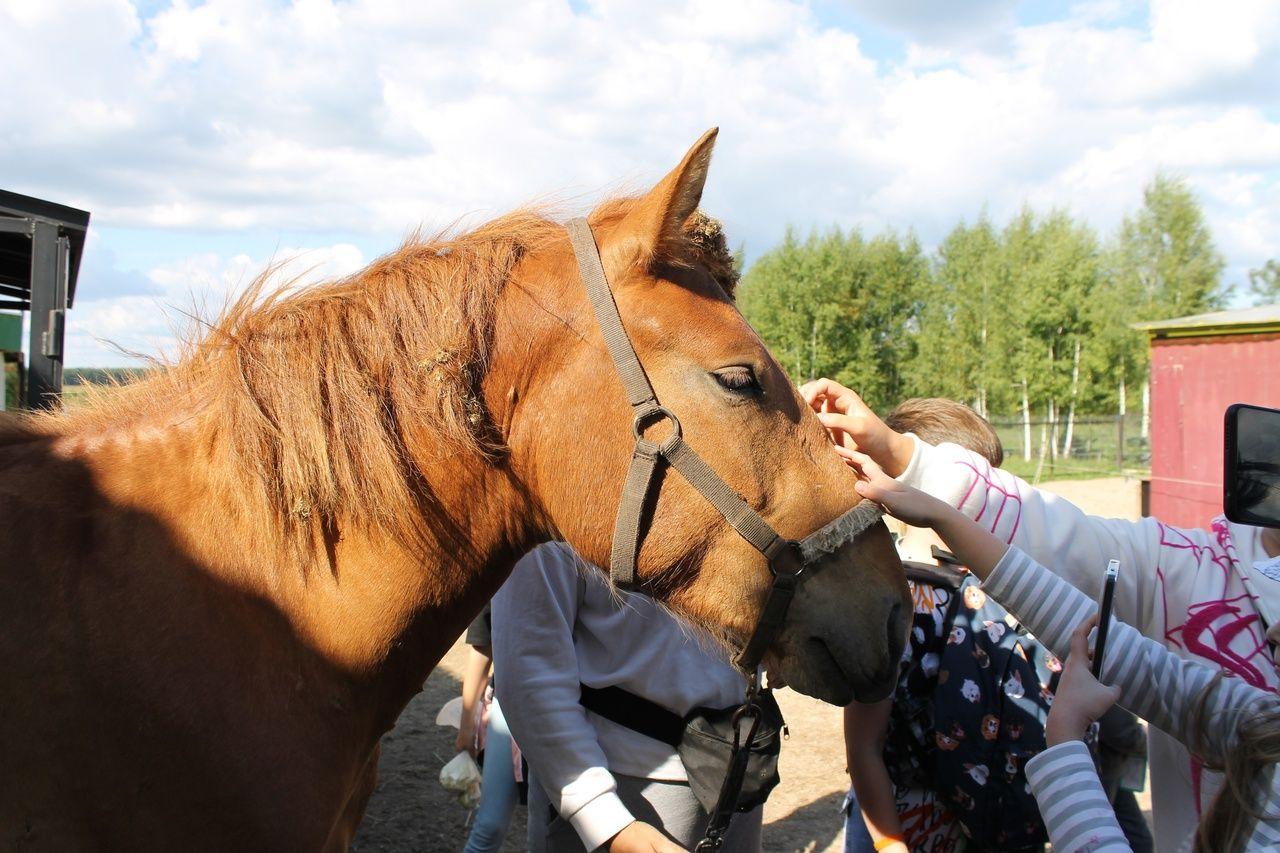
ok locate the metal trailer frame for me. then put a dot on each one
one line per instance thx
(41, 244)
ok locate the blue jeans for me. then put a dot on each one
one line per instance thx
(856, 837)
(497, 789)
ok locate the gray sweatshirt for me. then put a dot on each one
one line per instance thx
(558, 624)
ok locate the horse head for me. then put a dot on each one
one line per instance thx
(568, 425)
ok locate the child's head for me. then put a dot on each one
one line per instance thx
(935, 420)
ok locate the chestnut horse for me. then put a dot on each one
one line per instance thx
(220, 585)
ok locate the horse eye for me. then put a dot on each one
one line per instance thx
(737, 379)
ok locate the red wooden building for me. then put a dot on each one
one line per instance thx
(1199, 366)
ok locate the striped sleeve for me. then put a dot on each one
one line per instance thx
(1071, 801)
(1154, 683)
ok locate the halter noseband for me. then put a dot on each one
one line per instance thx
(787, 558)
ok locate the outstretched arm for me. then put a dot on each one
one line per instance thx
(1154, 683)
(975, 547)
(1049, 528)
(865, 727)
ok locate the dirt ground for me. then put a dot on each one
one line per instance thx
(411, 812)
(1109, 497)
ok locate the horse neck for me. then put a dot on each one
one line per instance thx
(376, 611)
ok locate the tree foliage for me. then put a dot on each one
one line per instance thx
(1035, 313)
(1165, 255)
(1264, 283)
(836, 304)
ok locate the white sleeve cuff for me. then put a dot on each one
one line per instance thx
(601, 819)
(914, 473)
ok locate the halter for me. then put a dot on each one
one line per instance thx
(787, 558)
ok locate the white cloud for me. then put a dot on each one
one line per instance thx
(371, 116)
(106, 332)
(1203, 38)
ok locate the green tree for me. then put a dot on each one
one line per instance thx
(1032, 318)
(1264, 283)
(1165, 265)
(1115, 361)
(836, 304)
(1166, 255)
(962, 332)
(1052, 269)
(780, 297)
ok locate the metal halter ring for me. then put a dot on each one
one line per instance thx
(651, 415)
(788, 561)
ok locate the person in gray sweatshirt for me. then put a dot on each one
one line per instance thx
(559, 627)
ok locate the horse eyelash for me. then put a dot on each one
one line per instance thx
(737, 379)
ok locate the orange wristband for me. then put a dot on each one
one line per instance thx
(887, 840)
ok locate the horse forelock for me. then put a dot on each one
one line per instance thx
(709, 247)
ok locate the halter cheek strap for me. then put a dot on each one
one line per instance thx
(647, 412)
(787, 558)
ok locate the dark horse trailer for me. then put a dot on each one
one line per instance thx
(40, 248)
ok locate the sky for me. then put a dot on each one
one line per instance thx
(210, 139)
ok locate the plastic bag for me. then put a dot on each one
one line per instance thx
(462, 776)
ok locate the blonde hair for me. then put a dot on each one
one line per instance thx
(1230, 819)
(937, 419)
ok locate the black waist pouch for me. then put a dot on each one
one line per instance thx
(707, 744)
(703, 739)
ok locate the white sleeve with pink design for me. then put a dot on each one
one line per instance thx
(1160, 565)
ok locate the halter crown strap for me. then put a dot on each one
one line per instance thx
(640, 475)
(787, 559)
(634, 381)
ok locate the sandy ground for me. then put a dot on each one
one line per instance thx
(1109, 497)
(411, 812)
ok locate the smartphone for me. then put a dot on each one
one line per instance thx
(1251, 475)
(1104, 615)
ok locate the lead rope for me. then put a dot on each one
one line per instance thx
(727, 802)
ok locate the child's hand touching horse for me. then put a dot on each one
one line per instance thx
(1080, 698)
(902, 502)
(853, 426)
(972, 544)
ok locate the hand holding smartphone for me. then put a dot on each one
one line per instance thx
(1104, 615)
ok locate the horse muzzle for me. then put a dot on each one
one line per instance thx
(847, 626)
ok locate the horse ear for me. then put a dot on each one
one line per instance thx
(660, 214)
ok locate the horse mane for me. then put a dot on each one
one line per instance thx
(326, 396)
